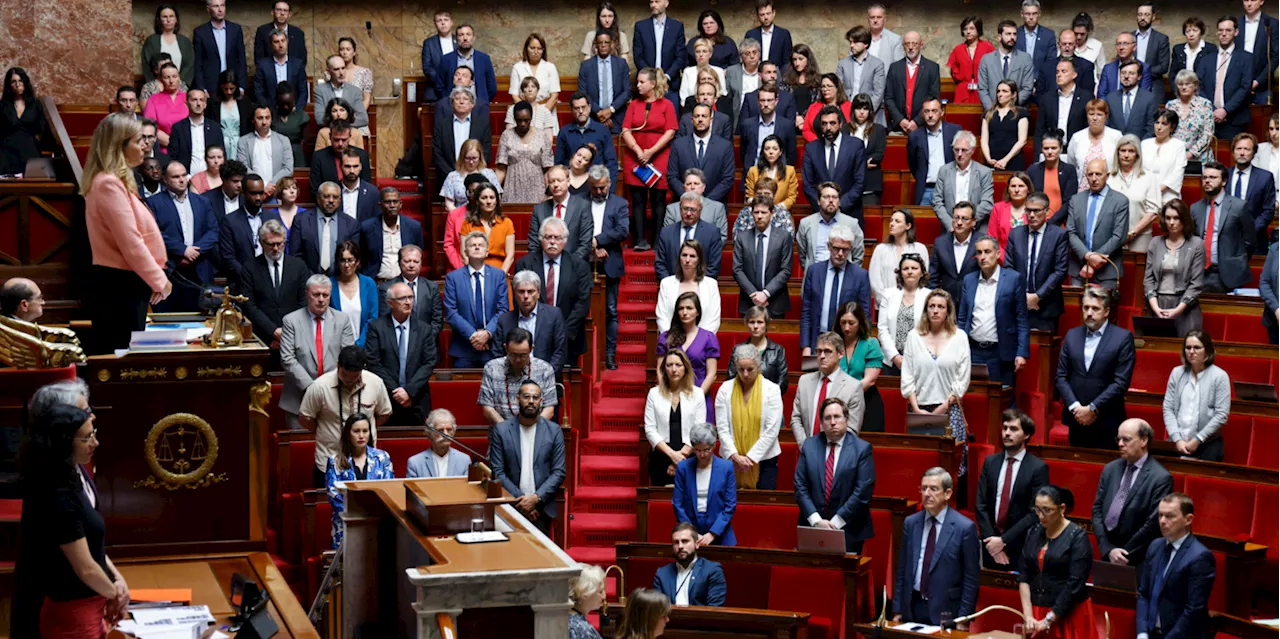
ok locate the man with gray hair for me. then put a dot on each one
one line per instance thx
(21, 299)
(566, 285)
(315, 234)
(711, 512)
(938, 560)
(964, 180)
(448, 134)
(820, 385)
(691, 227)
(744, 77)
(339, 86)
(1095, 368)
(713, 212)
(441, 460)
(611, 218)
(543, 321)
(993, 313)
(275, 285)
(310, 339)
(829, 285)
(402, 350)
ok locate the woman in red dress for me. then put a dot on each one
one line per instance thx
(647, 131)
(1054, 570)
(964, 60)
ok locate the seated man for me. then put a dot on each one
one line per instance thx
(301, 331)
(441, 460)
(830, 285)
(1173, 588)
(504, 376)
(688, 581)
(534, 480)
(21, 299)
(713, 212)
(832, 496)
(474, 297)
(666, 259)
(811, 234)
(711, 514)
(938, 563)
(543, 321)
(427, 304)
(401, 349)
(238, 230)
(382, 237)
(566, 283)
(190, 233)
(1006, 493)
(1129, 491)
(314, 235)
(357, 391)
(827, 382)
(274, 285)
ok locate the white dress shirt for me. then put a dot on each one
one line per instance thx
(261, 161)
(750, 82)
(684, 580)
(766, 39)
(185, 216)
(1064, 108)
(960, 249)
(597, 217)
(937, 154)
(197, 146)
(351, 201)
(441, 463)
(983, 327)
(390, 266)
(471, 285)
(84, 484)
(703, 479)
(962, 182)
(814, 518)
(231, 205)
(1017, 465)
(527, 436)
(1034, 247)
(925, 530)
(1251, 32)
(659, 30)
(461, 131)
(1143, 38)
(446, 44)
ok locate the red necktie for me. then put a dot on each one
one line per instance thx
(1002, 512)
(559, 210)
(829, 477)
(931, 536)
(319, 348)
(817, 408)
(1208, 235)
(338, 162)
(551, 283)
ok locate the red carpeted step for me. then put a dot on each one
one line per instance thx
(628, 382)
(602, 470)
(605, 500)
(596, 555)
(622, 443)
(602, 530)
(638, 259)
(632, 355)
(619, 414)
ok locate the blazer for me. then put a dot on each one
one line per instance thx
(427, 305)
(325, 92)
(981, 194)
(1235, 89)
(707, 584)
(927, 87)
(773, 366)
(1051, 264)
(180, 146)
(713, 213)
(657, 416)
(749, 138)
(1214, 404)
(721, 126)
(459, 308)
(219, 204)
(1101, 385)
(779, 45)
(304, 238)
(953, 568)
(281, 156)
(1266, 60)
(808, 247)
(1033, 474)
(589, 83)
(786, 107)
(872, 79)
(722, 498)
(208, 62)
(382, 347)
(442, 143)
(855, 285)
(1180, 600)
(1267, 288)
(803, 408)
(887, 318)
(733, 84)
(777, 270)
(432, 54)
(1010, 310)
(265, 80)
(571, 137)
(424, 465)
(1138, 524)
(918, 154)
(267, 305)
(1110, 80)
(645, 48)
(573, 296)
(1180, 57)
(298, 350)
(236, 239)
(1235, 235)
(1188, 279)
(1157, 62)
(578, 219)
(944, 273)
(1046, 48)
(991, 71)
(1109, 232)
(204, 231)
(849, 174)
(766, 447)
(613, 232)
(851, 490)
(1142, 114)
(1047, 76)
(1259, 199)
(667, 251)
(1068, 183)
(368, 305)
(324, 168)
(717, 164)
(369, 237)
(549, 343)
(548, 460)
(486, 82)
(186, 70)
(297, 44)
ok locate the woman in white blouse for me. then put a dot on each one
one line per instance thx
(883, 270)
(1197, 400)
(543, 120)
(671, 410)
(534, 64)
(1166, 156)
(692, 278)
(1265, 158)
(1094, 142)
(1185, 55)
(1141, 187)
(935, 365)
(901, 312)
(702, 49)
(748, 417)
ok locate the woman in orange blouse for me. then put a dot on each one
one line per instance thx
(128, 252)
(484, 213)
(964, 60)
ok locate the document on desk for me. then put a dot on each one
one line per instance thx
(919, 628)
(175, 622)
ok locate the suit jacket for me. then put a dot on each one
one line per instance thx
(1051, 264)
(1109, 232)
(204, 232)
(578, 220)
(1110, 80)
(713, 213)
(1142, 113)
(427, 304)
(1014, 336)
(325, 91)
(981, 194)
(749, 132)
(733, 81)
(281, 156)
(236, 239)
(613, 232)
(570, 138)
(1180, 57)
(1234, 241)
(298, 350)
(382, 347)
(549, 343)
(1265, 58)
(786, 108)
(486, 82)
(707, 585)
(717, 164)
(779, 46)
(1033, 474)
(424, 465)
(180, 139)
(548, 461)
(850, 173)
(573, 296)
(369, 237)
(1235, 92)
(953, 568)
(324, 168)
(1259, 200)
(442, 143)
(842, 386)
(855, 481)
(944, 273)
(777, 269)
(1138, 524)
(918, 154)
(589, 83)
(928, 86)
(267, 305)
(1103, 384)
(807, 247)
(1157, 62)
(219, 204)
(873, 79)
(667, 251)
(1068, 183)
(432, 54)
(1045, 51)
(991, 72)
(265, 80)
(208, 60)
(855, 285)
(1181, 599)
(722, 498)
(721, 126)
(297, 45)
(1267, 287)
(644, 48)
(459, 308)
(367, 205)
(1047, 76)
(304, 238)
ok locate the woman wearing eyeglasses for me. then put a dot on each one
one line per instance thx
(1053, 572)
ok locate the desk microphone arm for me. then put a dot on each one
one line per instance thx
(480, 463)
(951, 625)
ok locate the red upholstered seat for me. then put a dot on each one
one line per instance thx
(1080, 478)
(1224, 508)
(1218, 596)
(1263, 528)
(1236, 435)
(997, 620)
(760, 526)
(820, 593)
(895, 410)
(1153, 415)
(1247, 329)
(787, 460)
(928, 229)
(1264, 441)
(898, 471)
(662, 518)
(1123, 622)
(1151, 372)
(977, 413)
(459, 396)
(977, 455)
(1246, 369)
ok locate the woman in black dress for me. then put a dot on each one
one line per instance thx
(1053, 572)
(1004, 130)
(22, 124)
(862, 125)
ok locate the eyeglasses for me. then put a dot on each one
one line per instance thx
(346, 260)
(277, 244)
(93, 437)
(1044, 512)
(1036, 210)
(403, 298)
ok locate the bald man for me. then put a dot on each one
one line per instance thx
(21, 299)
(1096, 230)
(401, 350)
(906, 110)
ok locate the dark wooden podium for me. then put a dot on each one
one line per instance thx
(182, 463)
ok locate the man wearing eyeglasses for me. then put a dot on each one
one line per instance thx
(938, 564)
(401, 349)
(829, 381)
(1129, 491)
(504, 378)
(274, 284)
(1039, 251)
(527, 451)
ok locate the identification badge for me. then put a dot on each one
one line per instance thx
(973, 86)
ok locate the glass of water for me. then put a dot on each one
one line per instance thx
(945, 618)
(477, 518)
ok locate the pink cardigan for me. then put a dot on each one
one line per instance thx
(122, 231)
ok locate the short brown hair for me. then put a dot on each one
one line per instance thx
(1185, 504)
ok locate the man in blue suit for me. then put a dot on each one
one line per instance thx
(308, 233)
(1047, 71)
(659, 42)
(433, 51)
(465, 55)
(666, 259)
(190, 233)
(543, 321)
(702, 150)
(924, 157)
(1265, 53)
(238, 230)
(819, 301)
(775, 42)
(713, 519)
(1256, 186)
(690, 581)
(1231, 102)
(993, 312)
(474, 297)
(441, 460)
(606, 81)
(1092, 382)
(769, 121)
(381, 261)
(585, 129)
(1036, 40)
(229, 197)
(536, 491)
(835, 157)
(835, 478)
(1132, 110)
(280, 14)
(280, 67)
(1126, 52)
(1175, 581)
(1039, 252)
(219, 46)
(367, 202)
(606, 249)
(939, 561)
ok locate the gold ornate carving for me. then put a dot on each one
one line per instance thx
(255, 370)
(180, 451)
(217, 371)
(158, 372)
(259, 398)
(104, 375)
(180, 372)
(226, 322)
(29, 345)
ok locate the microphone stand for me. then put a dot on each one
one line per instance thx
(479, 470)
(951, 625)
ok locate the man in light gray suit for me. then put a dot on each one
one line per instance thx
(861, 72)
(441, 460)
(302, 364)
(1096, 230)
(826, 382)
(1007, 62)
(811, 234)
(264, 151)
(747, 72)
(338, 87)
(535, 480)
(713, 212)
(1227, 241)
(964, 180)
(762, 261)
(886, 46)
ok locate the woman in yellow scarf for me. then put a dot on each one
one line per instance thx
(748, 416)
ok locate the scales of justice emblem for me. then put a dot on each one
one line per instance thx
(181, 450)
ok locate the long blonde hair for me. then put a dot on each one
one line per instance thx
(949, 324)
(664, 383)
(106, 151)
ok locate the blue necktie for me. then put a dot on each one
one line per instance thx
(606, 79)
(1088, 223)
(404, 353)
(834, 302)
(477, 302)
(1153, 611)
(1006, 65)
(688, 233)
(1239, 180)
(1031, 266)
(702, 151)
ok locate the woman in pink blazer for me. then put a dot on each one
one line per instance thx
(128, 252)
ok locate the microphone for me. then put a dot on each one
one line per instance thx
(951, 625)
(480, 463)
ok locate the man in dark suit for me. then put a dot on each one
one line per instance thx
(182, 142)
(775, 42)
(702, 150)
(835, 478)
(762, 262)
(433, 51)
(566, 281)
(1035, 39)
(543, 321)
(474, 296)
(366, 204)
(315, 234)
(690, 581)
(1129, 491)
(274, 284)
(658, 42)
(585, 129)
(326, 163)
(1047, 70)
(1269, 287)
(767, 122)
(278, 68)
(1052, 144)
(1006, 491)
(401, 350)
(1225, 80)
(445, 144)
(464, 54)
(1255, 185)
(1174, 587)
(1126, 51)
(692, 226)
(938, 561)
(190, 232)
(924, 157)
(1072, 97)
(1039, 251)
(953, 252)
(1265, 53)
(280, 14)
(1096, 230)
(1227, 230)
(606, 81)
(1152, 49)
(535, 491)
(819, 301)
(1132, 110)
(229, 197)
(721, 122)
(427, 304)
(238, 230)
(380, 258)
(1095, 367)
(835, 157)
(993, 313)
(219, 46)
(786, 106)
(573, 211)
(909, 83)
(463, 78)
(606, 247)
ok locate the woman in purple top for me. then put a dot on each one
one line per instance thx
(169, 106)
(701, 346)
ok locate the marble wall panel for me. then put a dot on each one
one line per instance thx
(75, 50)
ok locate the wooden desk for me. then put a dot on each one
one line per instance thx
(707, 622)
(871, 630)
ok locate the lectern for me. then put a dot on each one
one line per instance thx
(402, 566)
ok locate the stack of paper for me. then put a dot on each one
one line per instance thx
(176, 622)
